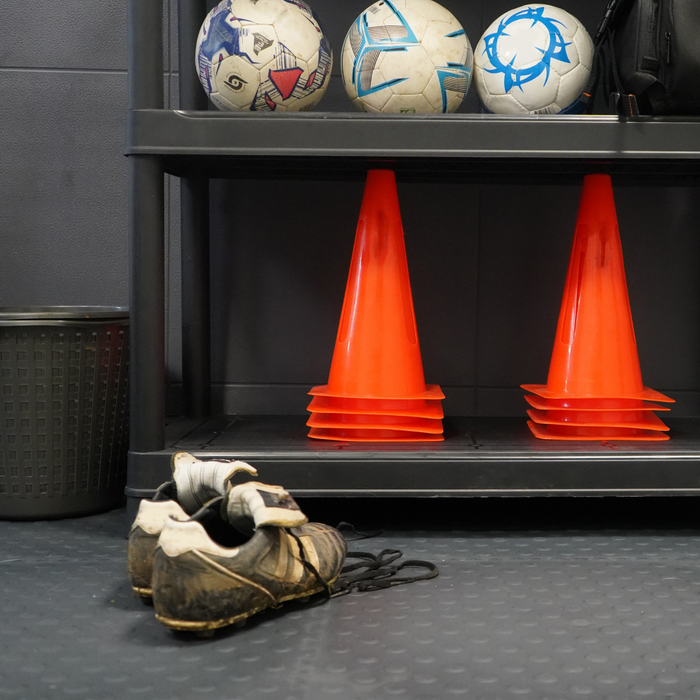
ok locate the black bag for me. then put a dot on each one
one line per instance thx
(648, 55)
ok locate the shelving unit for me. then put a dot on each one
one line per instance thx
(479, 456)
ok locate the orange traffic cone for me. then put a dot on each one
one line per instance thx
(377, 370)
(595, 363)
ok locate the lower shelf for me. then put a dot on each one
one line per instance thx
(479, 457)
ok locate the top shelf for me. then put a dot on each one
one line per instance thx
(452, 146)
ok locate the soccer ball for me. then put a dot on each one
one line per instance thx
(263, 55)
(406, 56)
(535, 59)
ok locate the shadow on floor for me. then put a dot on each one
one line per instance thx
(481, 514)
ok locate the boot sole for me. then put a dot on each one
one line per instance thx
(143, 593)
(206, 625)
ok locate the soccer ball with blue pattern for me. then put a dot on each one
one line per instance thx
(406, 56)
(263, 55)
(535, 59)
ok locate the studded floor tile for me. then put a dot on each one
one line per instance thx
(540, 614)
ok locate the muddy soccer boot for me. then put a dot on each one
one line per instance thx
(194, 483)
(250, 550)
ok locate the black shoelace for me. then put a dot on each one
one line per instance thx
(350, 533)
(372, 572)
(377, 571)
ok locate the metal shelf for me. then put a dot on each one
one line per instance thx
(471, 146)
(479, 457)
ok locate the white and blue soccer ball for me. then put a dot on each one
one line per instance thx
(406, 56)
(263, 55)
(535, 59)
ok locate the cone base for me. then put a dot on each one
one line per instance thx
(432, 391)
(616, 419)
(383, 422)
(573, 433)
(371, 435)
(410, 408)
(593, 404)
(645, 395)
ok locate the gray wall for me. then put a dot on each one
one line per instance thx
(487, 262)
(62, 173)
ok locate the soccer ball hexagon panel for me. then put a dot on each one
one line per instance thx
(263, 55)
(406, 56)
(535, 59)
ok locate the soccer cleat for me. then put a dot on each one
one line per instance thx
(194, 483)
(209, 572)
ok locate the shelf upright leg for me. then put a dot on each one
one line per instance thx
(194, 223)
(146, 252)
(146, 305)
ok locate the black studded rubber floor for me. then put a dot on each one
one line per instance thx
(547, 600)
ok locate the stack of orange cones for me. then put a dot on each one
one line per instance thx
(594, 389)
(376, 389)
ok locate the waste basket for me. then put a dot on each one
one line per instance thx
(63, 410)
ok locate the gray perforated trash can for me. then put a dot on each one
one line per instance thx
(63, 410)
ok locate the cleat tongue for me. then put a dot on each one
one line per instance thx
(198, 481)
(263, 505)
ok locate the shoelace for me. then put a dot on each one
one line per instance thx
(373, 571)
(377, 571)
(344, 528)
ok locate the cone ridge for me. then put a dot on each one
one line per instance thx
(371, 435)
(382, 422)
(413, 408)
(574, 432)
(592, 404)
(621, 419)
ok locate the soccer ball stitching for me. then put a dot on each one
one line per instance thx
(369, 44)
(274, 57)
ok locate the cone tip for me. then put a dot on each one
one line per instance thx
(597, 178)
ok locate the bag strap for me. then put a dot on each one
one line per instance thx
(611, 18)
(621, 103)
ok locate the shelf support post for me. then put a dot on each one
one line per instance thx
(146, 305)
(194, 224)
(146, 245)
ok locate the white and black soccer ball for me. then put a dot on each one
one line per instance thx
(263, 55)
(406, 56)
(535, 59)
